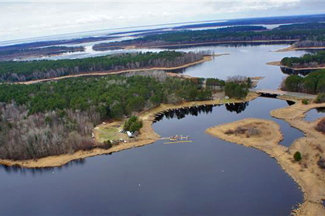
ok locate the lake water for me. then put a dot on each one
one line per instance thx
(206, 177)
(249, 60)
(244, 60)
(315, 114)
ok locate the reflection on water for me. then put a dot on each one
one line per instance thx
(196, 110)
(237, 107)
(40, 171)
(290, 71)
(182, 112)
(290, 103)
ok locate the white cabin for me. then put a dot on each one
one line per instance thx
(130, 134)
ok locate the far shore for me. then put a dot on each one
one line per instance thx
(306, 172)
(134, 46)
(105, 73)
(278, 63)
(292, 48)
(147, 136)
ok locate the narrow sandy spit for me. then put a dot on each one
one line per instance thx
(309, 176)
(278, 63)
(206, 58)
(147, 136)
(274, 63)
(292, 48)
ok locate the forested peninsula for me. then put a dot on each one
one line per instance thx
(57, 118)
(313, 83)
(240, 34)
(306, 61)
(33, 70)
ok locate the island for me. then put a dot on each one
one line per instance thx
(303, 160)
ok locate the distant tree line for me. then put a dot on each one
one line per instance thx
(307, 31)
(309, 43)
(307, 60)
(56, 118)
(12, 54)
(32, 70)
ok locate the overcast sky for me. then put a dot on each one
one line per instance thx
(33, 18)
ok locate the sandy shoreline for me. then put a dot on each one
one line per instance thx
(306, 173)
(274, 63)
(147, 136)
(292, 48)
(206, 58)
(278, 63)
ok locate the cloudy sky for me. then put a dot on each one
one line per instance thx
(34, 18)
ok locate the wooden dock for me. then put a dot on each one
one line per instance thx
(179, 141)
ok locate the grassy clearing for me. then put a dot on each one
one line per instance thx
(109, 133)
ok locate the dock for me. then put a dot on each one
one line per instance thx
(184, 141)
(176, 139)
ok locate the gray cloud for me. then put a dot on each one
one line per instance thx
(32, 18)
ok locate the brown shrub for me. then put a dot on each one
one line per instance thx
(319, 148)
(321, 126)
(321, 163)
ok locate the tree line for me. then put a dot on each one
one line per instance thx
(307, 31)
(313, 83)
(11, 54)
(307, 60)
(32, 70)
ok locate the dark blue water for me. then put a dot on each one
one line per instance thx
(206, 177)
(244, 60)
(315, 114)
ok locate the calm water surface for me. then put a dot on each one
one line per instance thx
(244, 60)
(206, 177)
(315, 114)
